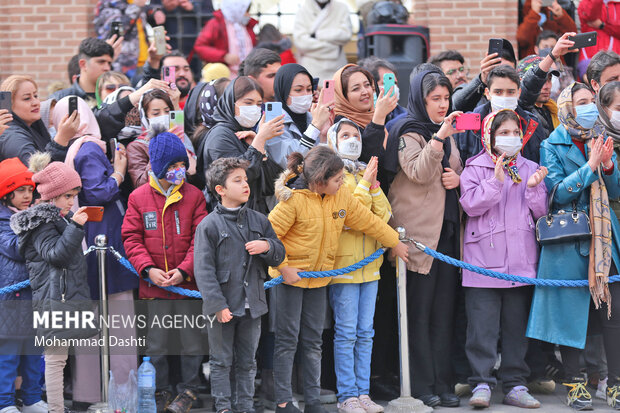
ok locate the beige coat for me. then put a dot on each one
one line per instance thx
(418, 197)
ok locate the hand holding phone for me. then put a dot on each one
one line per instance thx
(272, 110)
(496, 46)
(113, 145)
(584, 40)
(116, 28)
(73, 105)
(5, 100)
(468, 121)
(328, 92)
(389, 81)
(159, 36)
(177, 119)
(95, 213)
(169, 74)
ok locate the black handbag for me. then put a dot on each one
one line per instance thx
(562, 226)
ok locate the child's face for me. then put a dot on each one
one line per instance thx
(22, 197)
(333, 184)
(65, 201)
(236, 190)
(347, 131)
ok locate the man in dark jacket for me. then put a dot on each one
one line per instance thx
(234, 246)
(95, 58)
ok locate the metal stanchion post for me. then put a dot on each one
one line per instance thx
(405, 403)
(101, 247)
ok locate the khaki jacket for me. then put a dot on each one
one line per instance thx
(418, 197)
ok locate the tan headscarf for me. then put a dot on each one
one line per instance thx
(344, 108)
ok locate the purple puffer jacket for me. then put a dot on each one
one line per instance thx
(500, 233)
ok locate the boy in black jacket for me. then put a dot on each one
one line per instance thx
(233, 247)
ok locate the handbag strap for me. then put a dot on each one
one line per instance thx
(550, 201)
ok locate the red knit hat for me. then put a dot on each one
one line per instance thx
(13, 174)
(56, 179)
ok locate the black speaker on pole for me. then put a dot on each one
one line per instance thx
(402, 45)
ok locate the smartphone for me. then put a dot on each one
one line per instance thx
(159, 34)
(72, 104)
(95, 213)
(169, 74)
(272, 110)
(177, 119)
(468, 121)
(113, 144)
(328, 92)
(116, 28)
(315, 83)
(5, 100)
(584, 40)
(547, 3)
(389, 81)
(496, 46)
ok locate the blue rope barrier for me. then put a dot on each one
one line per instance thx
(514, 278)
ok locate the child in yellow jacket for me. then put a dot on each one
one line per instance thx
(353, 296)
(310, 215)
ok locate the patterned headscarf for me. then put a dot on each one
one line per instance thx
(566, 115)
(510, 163)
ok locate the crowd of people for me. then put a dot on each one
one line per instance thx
(230, 196)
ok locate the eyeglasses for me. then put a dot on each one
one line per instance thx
(111, 87)
(461, 70)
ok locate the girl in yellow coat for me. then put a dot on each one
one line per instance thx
(353, 296)
(310, 215)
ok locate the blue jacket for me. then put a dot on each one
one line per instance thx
(15, 318)
(100, 189)
(560, 315)
(291, 140)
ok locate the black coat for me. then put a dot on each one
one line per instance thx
(52, 248)
(111, 118)
(226, 274)
(21, 141)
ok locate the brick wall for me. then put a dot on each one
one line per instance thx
(467, 25)
(38, 37)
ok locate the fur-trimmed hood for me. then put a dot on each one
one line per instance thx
(33, 217)
(286, 183)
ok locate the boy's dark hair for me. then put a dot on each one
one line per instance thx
(503, 71)
(257, 60)
(244, 85)
(173, 53)
(373, 64)
(601, 61)
(73, 67)
(499, 119)
(608, 93)
(544, 35)
(269, 33)
(320, 164)
(447, 55)
(93, 47)
(218, 172)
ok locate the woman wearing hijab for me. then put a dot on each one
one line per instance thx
(583, 166)
(229, 36)
(237, 113)
(100, 187)
(303, 120)
(354, 88)
(424, 201)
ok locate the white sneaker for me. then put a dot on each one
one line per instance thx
(368, 405)
(38, 407)
(601, 390)
(11, 409)
(350, 405)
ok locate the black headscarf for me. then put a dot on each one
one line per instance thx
(417, 121)
(282, 88)
(200, 106)
(224, 113)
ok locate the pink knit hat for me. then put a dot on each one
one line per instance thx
(56, 179)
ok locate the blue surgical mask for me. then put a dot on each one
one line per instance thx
(543, 19)
(176, 176)
(586, 115)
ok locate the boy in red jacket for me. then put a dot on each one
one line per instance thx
(158, 234)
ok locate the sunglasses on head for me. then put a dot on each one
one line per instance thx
(111, 87)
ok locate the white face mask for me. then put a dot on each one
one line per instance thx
(397, 92)
(301, 104)
(555, 85)
(248, 115)
(163, 120)
(509, 144)
(350, 148)
(615, 119)
(501, 102)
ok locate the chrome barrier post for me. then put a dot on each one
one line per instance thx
(101, 247)
(405, 403)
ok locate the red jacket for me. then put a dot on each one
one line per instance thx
(609, 37)
(165, 242)
(212, 42)
(528, 30)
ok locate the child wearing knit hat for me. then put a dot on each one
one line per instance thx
(158, 234)
(17, 350)
(50, 238)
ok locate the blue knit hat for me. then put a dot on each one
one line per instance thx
(166, 149)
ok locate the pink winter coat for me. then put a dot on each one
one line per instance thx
(500, 233)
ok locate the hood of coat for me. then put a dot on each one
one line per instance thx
(287, 183)
(34, 217)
